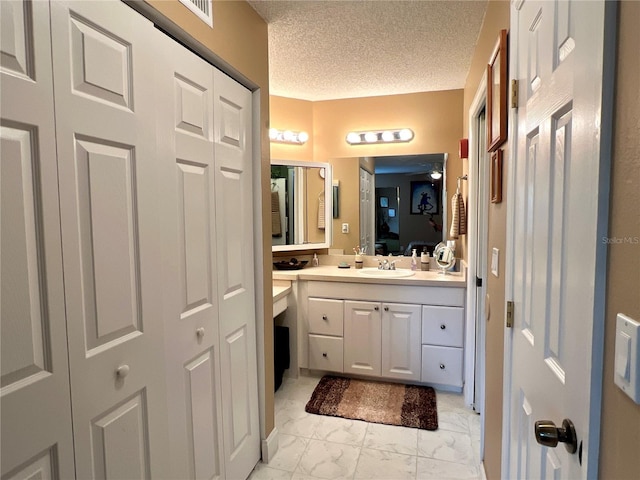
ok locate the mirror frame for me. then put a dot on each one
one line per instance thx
(328, 206)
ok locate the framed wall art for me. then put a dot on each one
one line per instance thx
(497, 94)
(424, 198)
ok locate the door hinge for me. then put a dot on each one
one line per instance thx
(478, 282)
(509, 314)
(514, 93)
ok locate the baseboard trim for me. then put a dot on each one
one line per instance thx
(483, 474)
(270, 446)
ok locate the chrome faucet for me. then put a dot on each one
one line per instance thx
(386, 265)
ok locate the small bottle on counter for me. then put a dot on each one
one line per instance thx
(315, 262)
(414, 260)
(424, 261)
(359, 261)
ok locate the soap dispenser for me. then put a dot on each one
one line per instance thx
(315, 262)
(414, 260)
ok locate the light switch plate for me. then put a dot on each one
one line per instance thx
(495, 258)
(345, 228)
(626, 373)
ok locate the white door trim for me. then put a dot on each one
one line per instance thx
(477, 104)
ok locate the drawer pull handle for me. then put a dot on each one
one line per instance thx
(122, 371)
(324, 354)
(386, 309)
(442, 366)
(324, 317)
(443, 326)
(200, 332)
(376, 308)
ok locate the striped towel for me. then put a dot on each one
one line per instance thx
(321, 211)
(276, 222)
(458, 217)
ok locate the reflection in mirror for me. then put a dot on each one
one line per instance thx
(413, 185)
(301, 205)
(400, 203)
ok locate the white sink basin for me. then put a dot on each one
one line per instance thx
(374, 272)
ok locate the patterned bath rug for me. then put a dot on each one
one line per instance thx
(376, 402)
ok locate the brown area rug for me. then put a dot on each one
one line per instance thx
(376, 402)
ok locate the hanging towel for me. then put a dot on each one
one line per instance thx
(458, 216)
(276, 224)
(321, 211)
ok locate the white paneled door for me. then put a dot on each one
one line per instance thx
(36, 439)
(557, 248)
(103, 59)
(236, 274)
(184, 85)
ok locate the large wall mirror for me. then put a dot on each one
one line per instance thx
(400, 200)
(301, 205)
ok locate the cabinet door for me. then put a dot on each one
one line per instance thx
(36, 439)
(401, 348)
(184, 92)
(362, 338)
(103, 59)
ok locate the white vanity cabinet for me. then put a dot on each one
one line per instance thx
(410, 333)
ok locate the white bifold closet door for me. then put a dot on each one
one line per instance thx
(103, 57)
(205, 162)
(184, 85)
(36, 439)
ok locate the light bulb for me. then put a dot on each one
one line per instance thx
(303, 137)
(387, 136)
(273, 133)
(353, 138)
(288, 135)
(370, 137)
(436, 175)
(405, 134)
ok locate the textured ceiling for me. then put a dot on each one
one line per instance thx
(322, 50)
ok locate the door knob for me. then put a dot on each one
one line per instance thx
(549, 435)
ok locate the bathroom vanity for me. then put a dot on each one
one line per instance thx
(405, 329)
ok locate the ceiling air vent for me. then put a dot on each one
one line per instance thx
(202, 8)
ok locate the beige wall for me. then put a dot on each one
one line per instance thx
(620, 438)
(240, 39)
(291, 114)
(496, 18)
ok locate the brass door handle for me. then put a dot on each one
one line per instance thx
(549, 435)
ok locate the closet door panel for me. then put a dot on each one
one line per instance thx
(235, 274)
(185, 133)
(103, 56)
(36, 437)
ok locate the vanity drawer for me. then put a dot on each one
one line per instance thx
(326, 317)
(443, 326)
(325, 353)
(442, 365)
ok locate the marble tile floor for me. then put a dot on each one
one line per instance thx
(321, 447)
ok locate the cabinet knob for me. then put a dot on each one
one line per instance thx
(122, 371)
(442, 366)
(386, 309)
(324, 354)
(376, 308)
(443, 326)
(200, 332)
(324, 317)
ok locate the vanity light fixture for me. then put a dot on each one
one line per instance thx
(380, 136)
(436, 175)
(288, 136)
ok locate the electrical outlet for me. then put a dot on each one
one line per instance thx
(345, 228)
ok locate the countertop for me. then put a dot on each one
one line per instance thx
(332, 273)
(281, 288)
